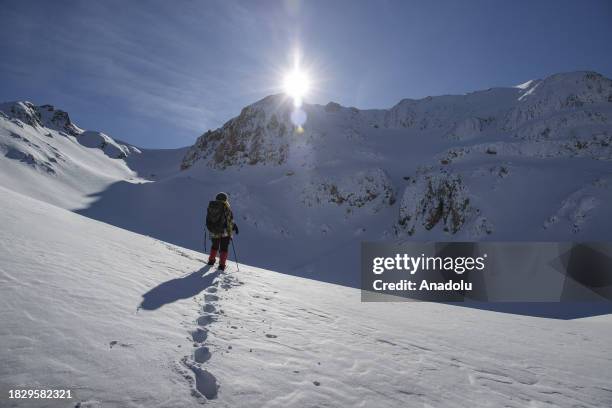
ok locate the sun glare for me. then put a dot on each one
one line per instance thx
(296, 83)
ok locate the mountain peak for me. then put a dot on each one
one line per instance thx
(41, 116)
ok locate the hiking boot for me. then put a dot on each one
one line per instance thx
(221, 267)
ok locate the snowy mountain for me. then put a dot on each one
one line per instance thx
(526, 162)
(481, 140)
(125, 313)
(124, 320)
(40, 116)
(46, 156)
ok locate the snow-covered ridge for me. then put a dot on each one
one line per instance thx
(45, 118)
(107, 144)
(262, 133)
(40, 116)
(559, 92)
(47, 156)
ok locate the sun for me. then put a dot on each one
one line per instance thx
(296, 84)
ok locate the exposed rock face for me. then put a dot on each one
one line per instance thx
(332, 107)
(261, 134)
(25, 112)
(41, 116)
(435, 199)
(30, 121)
(371, 188)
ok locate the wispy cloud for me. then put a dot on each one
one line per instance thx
(167, 62)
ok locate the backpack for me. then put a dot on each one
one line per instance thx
(216, 221)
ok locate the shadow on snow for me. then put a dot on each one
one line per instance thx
(179, 288)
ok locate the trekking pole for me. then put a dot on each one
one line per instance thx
(235, 256)
(205, 240)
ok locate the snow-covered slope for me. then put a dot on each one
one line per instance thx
(125, 320)
(46, 156)
(70, 288)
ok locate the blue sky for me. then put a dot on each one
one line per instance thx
(160, 73)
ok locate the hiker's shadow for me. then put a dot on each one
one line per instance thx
(179, 288)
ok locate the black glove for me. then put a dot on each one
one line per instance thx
(235, 228)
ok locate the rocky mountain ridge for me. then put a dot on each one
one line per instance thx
(562, 116)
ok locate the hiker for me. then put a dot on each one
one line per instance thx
(220, 224)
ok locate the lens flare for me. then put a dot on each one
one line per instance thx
(298, 117)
